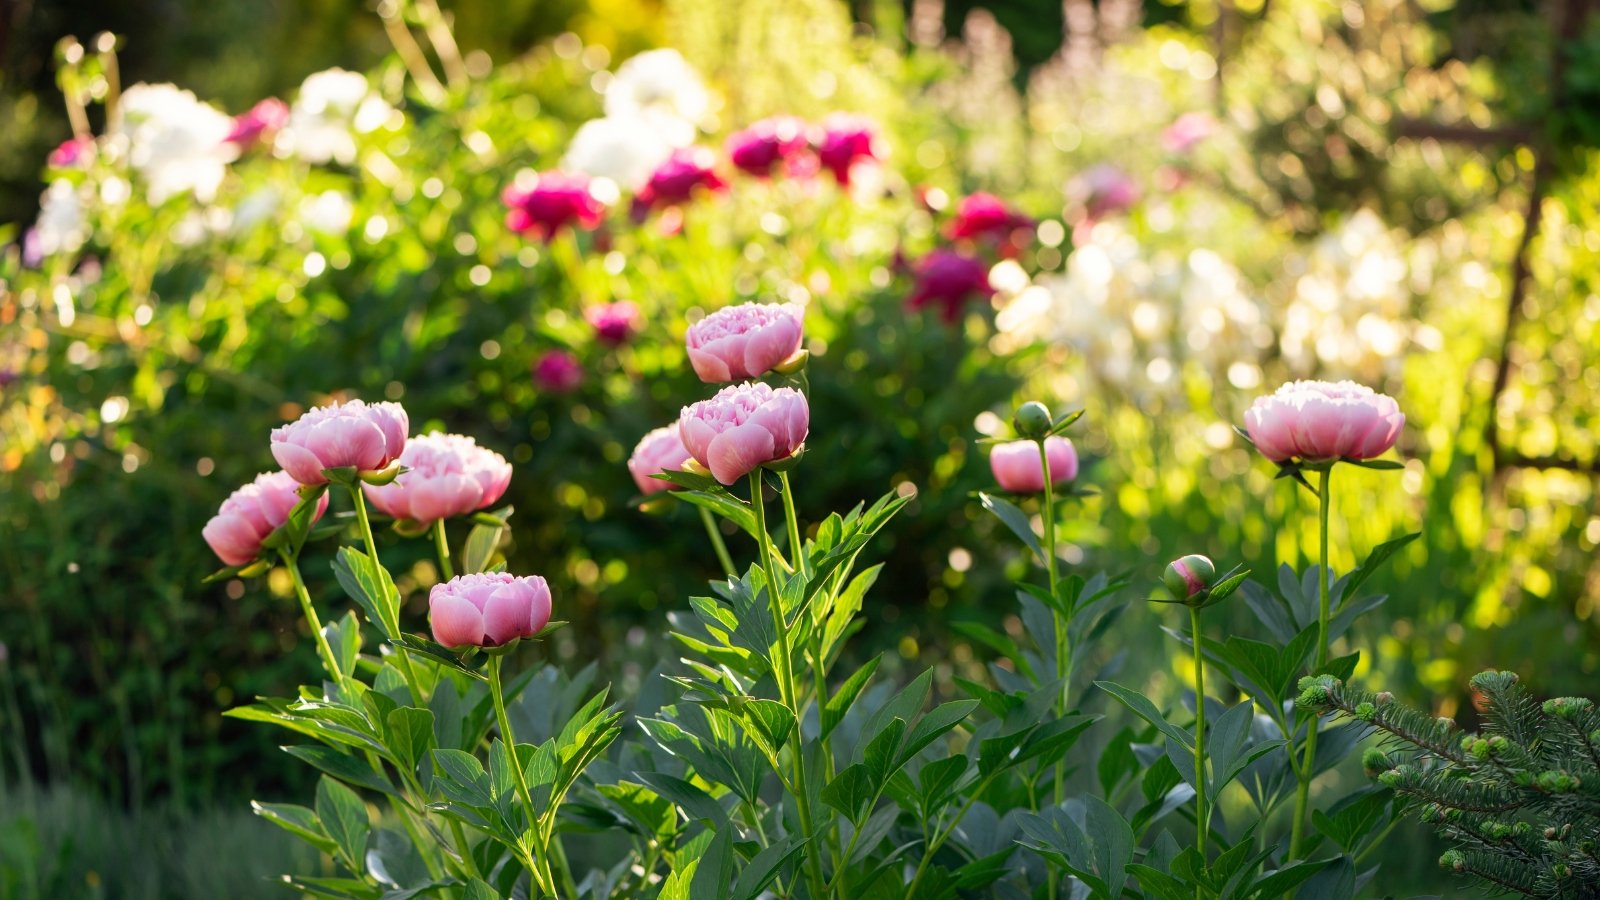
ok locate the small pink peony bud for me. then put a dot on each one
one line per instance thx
(449, 475)
(365, 437)
(846, 141)
(263, 120)
(766, 144)
(744, 341)
(558, 372)
(661, 450)
(744, 427)
(614, 323)
(252, 513)
(1317, 421)
(949, 279)
(546, 203)
(1189, 577)
(1017, 469)
(488, 609)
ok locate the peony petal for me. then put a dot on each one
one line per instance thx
(456, 622)
(709, 365)
(301, 464)
(738, 451)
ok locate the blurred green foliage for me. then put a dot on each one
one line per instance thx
(149, 370)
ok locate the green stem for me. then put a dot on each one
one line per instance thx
(1063, 645)
(443, 546)
(941, 836)
(717, 543)
(784, 664)
(1201, 816)
(545, 878)
(1302, 796)
(393, 625)
(329, 661)
(796, 550)
(465, 849)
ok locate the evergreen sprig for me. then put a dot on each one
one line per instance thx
(1519, 802)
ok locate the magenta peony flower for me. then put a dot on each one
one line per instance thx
(744, 341)
(365, 436)
(845, 141)
(1017, 469)
(1318, 421)
(984, 215)
(766, 144)
(252, 513)
(1188, 130)
(744, 427)
(1105, 189)
(488, 609)
(661, 450)
(449, 475)
(72, 153)
(614, 323)
(265, 118)
(686, 172)
(558, 372)
(549, 202)
(949, 278)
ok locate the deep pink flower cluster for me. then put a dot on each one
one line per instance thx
(948, 278)
(549, 202)
(261, 122)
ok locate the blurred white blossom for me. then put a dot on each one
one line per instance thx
(329, 212)
(62, 226)
(175, 142)
(624, 150)
(660, 89)
(331, 108)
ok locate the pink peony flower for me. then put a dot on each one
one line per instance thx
(450, 475)
(558, 372)
(984, 215)
(614, 323)
(1318, 421)
(365, 436)
(488, 609)
(845, 141)
(686, 172)
(1017, 469)
(1105, 190)
(265, 118)
(72, 152)
(744, 341)
(550, 202)
(1188, 130)
(252, 513)
(766, 144)
(661, 450)
(949, 278)
(744, 427)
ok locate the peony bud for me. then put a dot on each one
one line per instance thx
(252, 513)
(659, 451)
(1032, 420)
(744, 427)
(489, 609)
(557, 372)
(613, 323)
(1017, 468)
(1188, 578)
(744, 341)
(357, 436)
(448, 475)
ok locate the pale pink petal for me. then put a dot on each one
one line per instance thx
(738, 451)
(456, 622)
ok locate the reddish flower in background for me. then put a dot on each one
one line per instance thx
(546, 203)
(1188, 130)
(949, 279)
(769, 142)
(558, 372)
(252, 513)
(846, 141)
(983, 216)
(1106, 189)
(265, 118)
(447, 475)
(686, 172)
(72, 152)
(488, 609)
(661, 450)
(614, 323)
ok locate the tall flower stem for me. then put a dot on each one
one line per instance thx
(544, 876)
(1302, 796)
(406, 669)
(1063, 645)
(443, 546)
(291, 561)
(784, 666)
(717, 542)
(1202, 817)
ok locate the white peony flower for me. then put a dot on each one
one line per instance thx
(626, 151)
(62, 226)
(327, 213)
(175, 142)
(662, 89)
(331, 108)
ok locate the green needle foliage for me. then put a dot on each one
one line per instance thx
(1519, 802)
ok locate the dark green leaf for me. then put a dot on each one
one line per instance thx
(1379, 555)
(1014, 519)
(344, 817)
(1144, 709)
(834, 711)
(342, 766)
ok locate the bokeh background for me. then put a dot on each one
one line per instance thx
(1402, 193)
